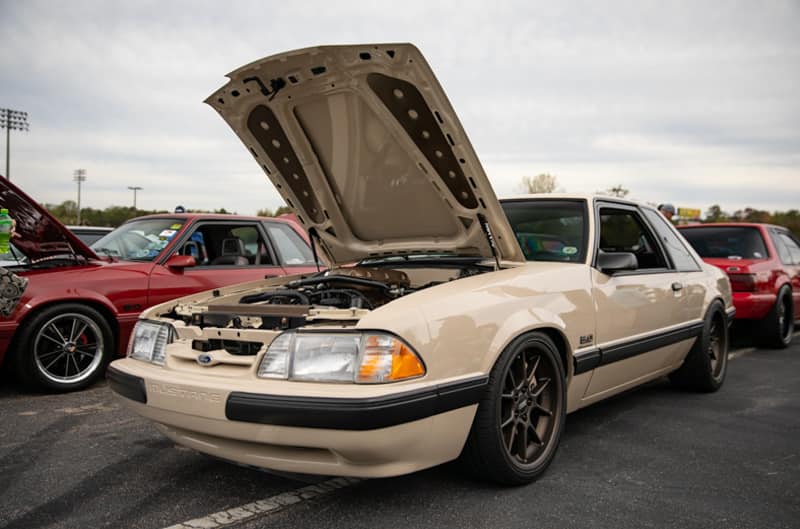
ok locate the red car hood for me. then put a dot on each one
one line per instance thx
(40, 235)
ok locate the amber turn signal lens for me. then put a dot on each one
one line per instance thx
(387, 359)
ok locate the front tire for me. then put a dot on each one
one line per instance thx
(64, 348)
(520, 418)
(777, 327)
(706, 364)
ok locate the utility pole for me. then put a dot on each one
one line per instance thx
(11, 119)
(79, 176)
(135, 189)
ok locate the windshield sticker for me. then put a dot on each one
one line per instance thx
(569, 250)
(166, 234)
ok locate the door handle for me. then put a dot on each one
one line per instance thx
(676, 286)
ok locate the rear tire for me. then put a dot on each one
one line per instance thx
(706, 364)
(777, 328)
(520, 418)
(64, 348)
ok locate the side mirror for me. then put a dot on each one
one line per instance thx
(180, 262)
(610, 262)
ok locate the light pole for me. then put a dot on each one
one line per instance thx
(79, 176)
(11, 119)
(135, 189)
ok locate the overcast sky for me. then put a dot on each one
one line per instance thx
(692, 103)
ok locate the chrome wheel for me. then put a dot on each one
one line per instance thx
(68, 348)
(528, 401)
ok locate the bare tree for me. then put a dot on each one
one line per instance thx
(617, 191)
(541, 183)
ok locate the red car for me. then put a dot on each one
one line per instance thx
(763, 264)
(81, 303)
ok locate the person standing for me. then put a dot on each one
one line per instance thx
(668, 210)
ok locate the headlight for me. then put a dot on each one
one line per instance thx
(340, 357)
(149, 341)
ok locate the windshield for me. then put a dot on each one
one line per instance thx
(14, 257)
(549, 229)
(727, 242)
(139, 240)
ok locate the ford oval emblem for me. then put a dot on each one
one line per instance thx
(204, 359)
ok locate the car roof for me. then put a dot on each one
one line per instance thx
(731, 225)
(573, 196)
(209, 216)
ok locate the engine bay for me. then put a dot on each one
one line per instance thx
(343, 295)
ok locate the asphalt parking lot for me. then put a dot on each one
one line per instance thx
(654, 457)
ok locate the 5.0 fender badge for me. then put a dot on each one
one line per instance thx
(205, 359)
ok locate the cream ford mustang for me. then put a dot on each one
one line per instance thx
(449, 324)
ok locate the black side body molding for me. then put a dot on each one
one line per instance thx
(353, 414)
(128, 386)
(608, 355)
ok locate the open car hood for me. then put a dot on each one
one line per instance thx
(40, 235)
(363, 144)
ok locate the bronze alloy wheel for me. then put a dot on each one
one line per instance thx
(717, 347)
(530, 393)
(518, 424)
(706, 363)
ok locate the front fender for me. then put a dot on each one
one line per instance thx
(468, 322)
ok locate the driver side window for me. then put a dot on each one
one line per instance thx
(622, 230)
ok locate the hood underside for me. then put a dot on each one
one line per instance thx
(40, 236)
(363, 144)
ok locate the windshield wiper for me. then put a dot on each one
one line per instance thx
(107, 252)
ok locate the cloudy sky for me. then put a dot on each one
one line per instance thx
(688, 102)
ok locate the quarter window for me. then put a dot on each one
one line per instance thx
(674, 244)
(791, 244)
(780, 245)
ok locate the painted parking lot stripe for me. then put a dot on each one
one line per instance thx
(278, 502)
(265, 506)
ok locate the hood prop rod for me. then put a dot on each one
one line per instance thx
(487, 231)
(312, 236)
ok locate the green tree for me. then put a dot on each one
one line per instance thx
(715, 214)
(266, 212)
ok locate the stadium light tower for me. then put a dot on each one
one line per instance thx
(135, 189)
(11, 119)
(79, 176)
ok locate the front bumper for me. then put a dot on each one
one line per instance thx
(378, 433)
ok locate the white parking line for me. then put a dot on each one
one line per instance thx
(736, 353)
(293, 497)
(267, 505)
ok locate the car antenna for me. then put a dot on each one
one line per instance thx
(312, 236)
(487, 230)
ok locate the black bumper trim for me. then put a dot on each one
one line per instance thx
(353, 414)
(129, 386)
